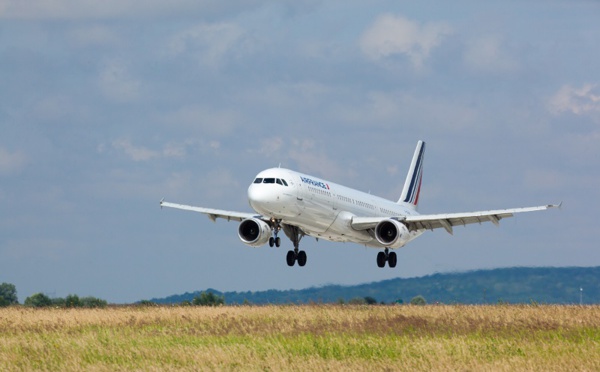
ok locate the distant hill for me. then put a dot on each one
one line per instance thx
(507, 285)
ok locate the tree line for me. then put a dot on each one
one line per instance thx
(8, 297)
(208, 298)
(518, 285)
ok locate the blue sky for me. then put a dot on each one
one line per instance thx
(108, 106)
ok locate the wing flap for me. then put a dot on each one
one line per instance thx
(365, 223)
(212, 214)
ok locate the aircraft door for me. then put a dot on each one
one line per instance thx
(296, 184)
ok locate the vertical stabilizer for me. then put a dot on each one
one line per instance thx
(412, 185)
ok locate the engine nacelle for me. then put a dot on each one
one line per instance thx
(391, 233)
(254, 232)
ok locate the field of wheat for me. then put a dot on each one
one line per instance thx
(316, 337)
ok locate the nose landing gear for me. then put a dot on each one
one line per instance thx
(275, 240)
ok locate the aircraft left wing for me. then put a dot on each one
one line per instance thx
(448, 220)
(212, 214)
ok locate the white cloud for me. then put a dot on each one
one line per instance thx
(204, 120)
(579, 101)
(271, 147)
(136, 153)
(55, 107)
(391, 35)
(209, 43)
(172, 149)
(310, 158)
(86, 9)
(116, 82)
(394, 108)
(94, 35)
(489, 54)
(11, 161)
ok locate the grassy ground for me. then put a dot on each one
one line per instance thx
(324, 337)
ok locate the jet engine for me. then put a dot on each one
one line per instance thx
(254, 232)
(391, 233)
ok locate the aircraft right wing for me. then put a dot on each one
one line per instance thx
(447, 220)
(212, 214)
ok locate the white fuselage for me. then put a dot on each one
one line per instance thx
(320, 208)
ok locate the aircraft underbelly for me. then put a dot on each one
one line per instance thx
(315, 217)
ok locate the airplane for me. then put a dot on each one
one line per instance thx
(303, 205)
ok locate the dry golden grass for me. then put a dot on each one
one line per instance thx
(323, 337)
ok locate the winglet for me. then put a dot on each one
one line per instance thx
(412, 185)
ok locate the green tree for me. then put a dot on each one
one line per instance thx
(59, 302)
(72, 301)
(208, 299)
(38, 300)
(92, 302)
(146, 303)
(418, 300)
(370, 300)
(357, 301)
(8, 294)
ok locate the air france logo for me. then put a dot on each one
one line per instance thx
(315, 183)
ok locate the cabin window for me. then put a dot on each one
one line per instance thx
(258, 180)
(269, 180)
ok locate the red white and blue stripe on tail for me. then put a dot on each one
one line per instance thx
(412, 185)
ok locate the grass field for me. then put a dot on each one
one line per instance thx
(319, 337)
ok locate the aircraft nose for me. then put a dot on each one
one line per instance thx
(259, 197)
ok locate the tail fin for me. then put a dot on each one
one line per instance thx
(412, 185)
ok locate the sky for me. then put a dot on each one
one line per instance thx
(108, 106)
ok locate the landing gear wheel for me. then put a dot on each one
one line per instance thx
(275, 228)
(295, 234)
(392, 259)
(381, 258)
(301, 258)
(291, 258)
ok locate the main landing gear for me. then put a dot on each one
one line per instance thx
(295, 235)
(388, 256)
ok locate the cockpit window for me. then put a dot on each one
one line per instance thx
(278, 181)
